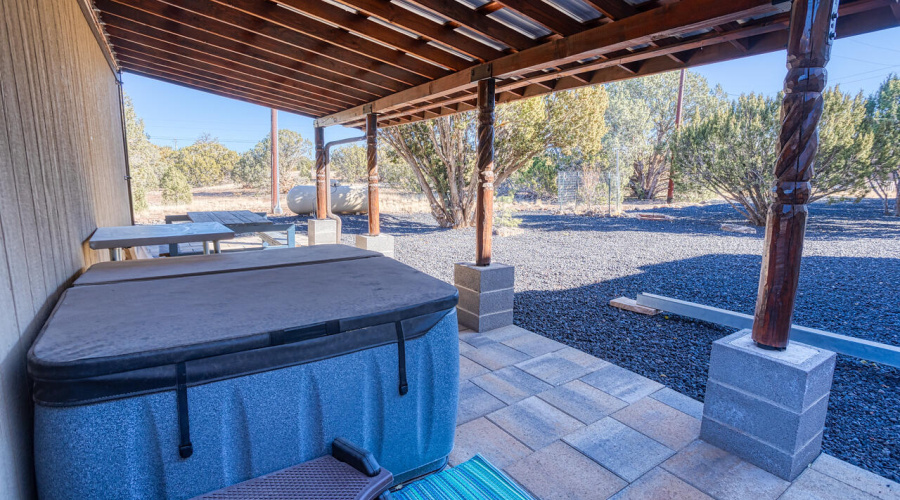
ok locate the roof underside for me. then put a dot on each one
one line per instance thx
(408, 60)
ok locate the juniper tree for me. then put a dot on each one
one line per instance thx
(441, 152)
(884, 124)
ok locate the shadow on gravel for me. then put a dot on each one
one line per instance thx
(851, 296)
(837, 221)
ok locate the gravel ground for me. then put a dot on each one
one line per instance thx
(569, 267)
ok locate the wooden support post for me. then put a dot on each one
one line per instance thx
(809, 47)
(670, 194)
(276, 206)
(372, 163)
(321, 182)
(484, 207)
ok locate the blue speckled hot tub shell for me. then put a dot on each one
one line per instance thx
(251, 425)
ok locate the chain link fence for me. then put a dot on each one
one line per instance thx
(591, 191)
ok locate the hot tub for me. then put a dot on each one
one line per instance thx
(168, 384)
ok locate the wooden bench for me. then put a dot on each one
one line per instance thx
(115, 238)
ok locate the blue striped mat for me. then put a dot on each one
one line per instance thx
(475, 479)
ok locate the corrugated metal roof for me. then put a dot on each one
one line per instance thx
(520, 23)
(577, 9)
(510, 19)
(420, 11)
(454, 52)
(481, 38)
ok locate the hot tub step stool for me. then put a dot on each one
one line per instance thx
(349, 473)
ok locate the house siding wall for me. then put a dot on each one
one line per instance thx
(62, 174)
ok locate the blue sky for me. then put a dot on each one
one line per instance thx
(177, 115)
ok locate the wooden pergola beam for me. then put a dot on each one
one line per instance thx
(768, 35)
(584, 71)
(397, 58)
(667, 20)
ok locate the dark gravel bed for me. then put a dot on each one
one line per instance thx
(569, 267)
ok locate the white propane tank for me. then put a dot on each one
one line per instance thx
(344, 199)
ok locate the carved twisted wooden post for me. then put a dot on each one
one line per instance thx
(321, 181)
(372, 164)
(809, 47)
(484, 205)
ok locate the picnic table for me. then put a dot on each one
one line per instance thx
(114, 238)
(239, 221)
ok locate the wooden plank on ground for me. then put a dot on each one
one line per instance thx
(632, 305)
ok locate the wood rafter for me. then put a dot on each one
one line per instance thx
(204, 88)
(250, 82)
(665, 21)
(770, 35)
(478, 22)
(287, 71)
(422, 26)
(542, 13)
(216, 81)
(614, 9)
(161, 23)
(412, 69)
(363, 25)
(315, 52)
(409, 60)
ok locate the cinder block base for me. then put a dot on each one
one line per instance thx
(322, 231)
(485, 295)
(767, 407)
(382, 243)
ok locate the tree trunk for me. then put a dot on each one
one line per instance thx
(897, 201)
(896, 195)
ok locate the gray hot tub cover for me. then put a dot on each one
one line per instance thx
(134, 337)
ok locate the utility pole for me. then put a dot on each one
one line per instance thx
(671, 193)
(276, 204)
(618, 182)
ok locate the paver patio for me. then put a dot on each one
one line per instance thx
(567, 425)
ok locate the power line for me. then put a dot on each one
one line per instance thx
(882, 74)
(873, 45)
(861, 60)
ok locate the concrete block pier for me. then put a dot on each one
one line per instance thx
(766, 406)
(485, 295)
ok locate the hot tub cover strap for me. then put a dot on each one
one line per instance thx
(185, 449)
(401, 358)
